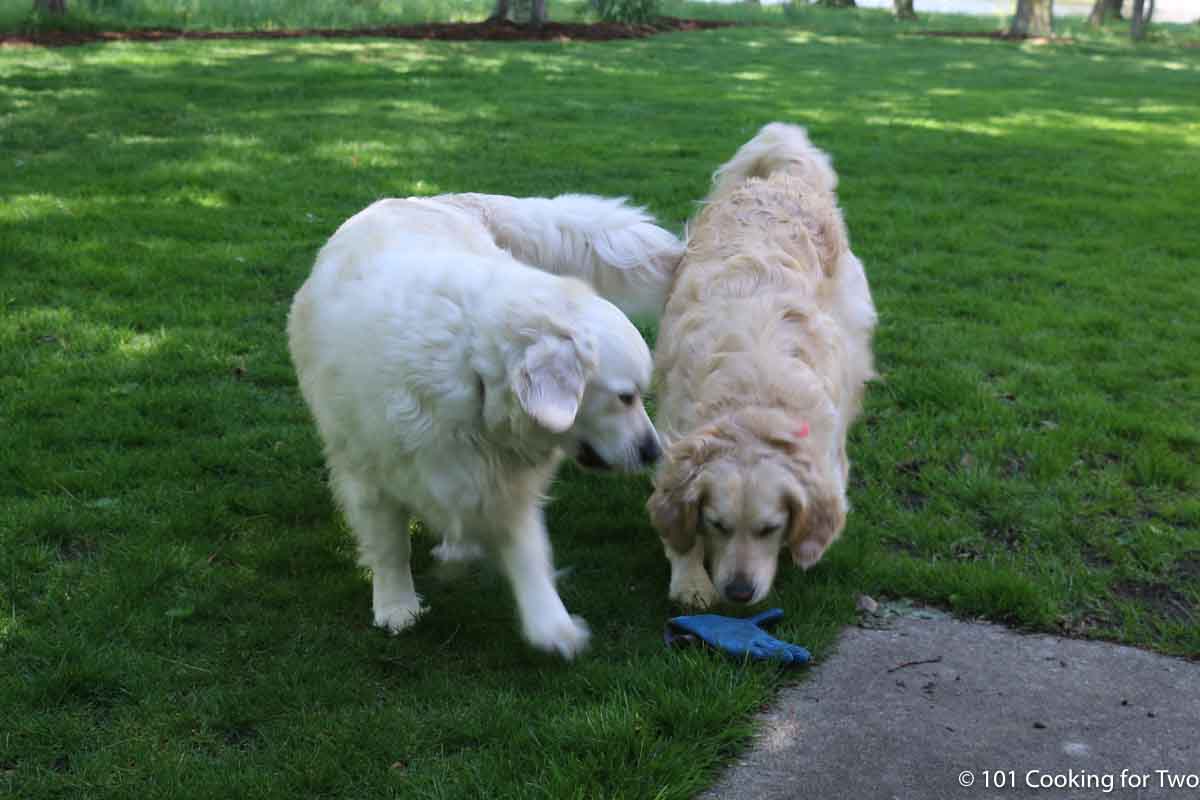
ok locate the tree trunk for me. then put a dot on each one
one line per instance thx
(904, 9)
(837, 3)
(54, 7)
(520, 11)
(500, 12)
(1033, 18)
(1105, 10)
(1138, 20)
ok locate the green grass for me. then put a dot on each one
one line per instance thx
(180, 613)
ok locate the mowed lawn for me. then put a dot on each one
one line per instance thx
(181, 615)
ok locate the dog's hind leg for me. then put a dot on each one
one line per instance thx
(525, 556)
(384, 546)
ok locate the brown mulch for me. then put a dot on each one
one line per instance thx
(502, 31)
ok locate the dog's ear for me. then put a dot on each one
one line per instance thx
(816, 518)
(549, 381)
(679, 492)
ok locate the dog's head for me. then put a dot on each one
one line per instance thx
(584, 385)
(750, 485)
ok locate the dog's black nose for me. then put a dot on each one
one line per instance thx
(649, 450)
(740, 589)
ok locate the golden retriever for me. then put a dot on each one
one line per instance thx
(448, 378)
(762, 356)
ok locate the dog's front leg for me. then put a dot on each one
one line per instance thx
(690, 584)
(394, 600)
(384, 547)
(525, 556)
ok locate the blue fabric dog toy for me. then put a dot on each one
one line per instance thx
(737, 637)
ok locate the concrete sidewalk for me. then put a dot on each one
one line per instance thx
(931, 708)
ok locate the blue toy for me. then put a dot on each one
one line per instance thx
(737, 637)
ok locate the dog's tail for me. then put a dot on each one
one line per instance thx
(778, 147)
(605, 242)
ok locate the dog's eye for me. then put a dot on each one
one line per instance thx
(717, 526)
(628, 398)
(767, 531)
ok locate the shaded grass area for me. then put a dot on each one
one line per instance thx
(181, 615)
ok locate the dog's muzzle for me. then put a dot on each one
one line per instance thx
(649, 450)
(588, 457)
(740, 590)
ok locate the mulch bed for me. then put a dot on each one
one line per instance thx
(502, 31)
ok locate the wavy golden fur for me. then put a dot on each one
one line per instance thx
(763, 353)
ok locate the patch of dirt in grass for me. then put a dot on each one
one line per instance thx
(912, 499)
(502, 31)
(904, 547)
(242, 737)
(1010, 537)
(1094, 558)
(77, 549)
(1014, 467)
(912, 467)
(1158, 597)
(1003, 36)
(1083, 625)
(1187, 568)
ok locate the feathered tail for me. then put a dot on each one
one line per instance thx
(778, 147)
(613, 246)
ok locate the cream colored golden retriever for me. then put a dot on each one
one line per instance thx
(763, 353)
(448, 377)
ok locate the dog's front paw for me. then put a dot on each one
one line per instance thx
(696, 593)
(808, 553)
(396, 617)
(568, 636)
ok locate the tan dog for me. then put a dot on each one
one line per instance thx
(763, 353)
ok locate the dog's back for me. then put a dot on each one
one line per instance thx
(769, 245)
(777, 198)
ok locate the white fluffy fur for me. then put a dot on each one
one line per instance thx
(447, 379)
(763, 353)
(614, 247)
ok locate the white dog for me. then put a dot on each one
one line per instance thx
(762, 356)
(447, 378)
